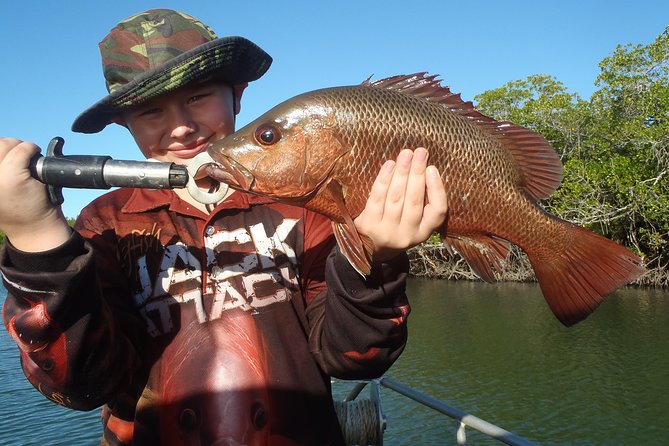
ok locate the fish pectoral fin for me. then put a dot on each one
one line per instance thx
(353, 247)
(484, 254)
(356, 247)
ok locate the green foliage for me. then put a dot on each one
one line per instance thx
(614, 147)
(540, 103)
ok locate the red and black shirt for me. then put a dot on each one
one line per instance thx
(192, 328)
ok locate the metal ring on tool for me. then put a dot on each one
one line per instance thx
(198, 194)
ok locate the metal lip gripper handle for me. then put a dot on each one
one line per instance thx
(102, 172)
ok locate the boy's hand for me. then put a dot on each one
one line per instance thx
(406, 205)
(27, 217)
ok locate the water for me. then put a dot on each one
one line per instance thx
(497, 352)
(494, 351)
(26, 417)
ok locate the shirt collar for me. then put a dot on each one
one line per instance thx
(147, 200)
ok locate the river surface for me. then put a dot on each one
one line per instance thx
(494, 351)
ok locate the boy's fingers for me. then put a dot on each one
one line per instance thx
(414, 199)
(394, 205)
(436, 210)
(377, 196)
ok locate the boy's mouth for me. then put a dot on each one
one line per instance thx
(189, 150)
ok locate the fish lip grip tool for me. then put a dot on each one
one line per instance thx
(102, 172)
(200, 160)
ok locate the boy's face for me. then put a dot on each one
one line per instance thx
(178, 125)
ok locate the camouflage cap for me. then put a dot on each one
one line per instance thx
(161, 50)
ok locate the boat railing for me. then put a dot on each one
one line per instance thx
(363, 421)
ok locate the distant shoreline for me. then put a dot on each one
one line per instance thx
(433, 260)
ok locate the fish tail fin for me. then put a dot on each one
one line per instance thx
(586, 268)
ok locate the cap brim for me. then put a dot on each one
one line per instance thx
(233, 60)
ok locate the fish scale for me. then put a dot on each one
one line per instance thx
(322, 150)
(392, 129)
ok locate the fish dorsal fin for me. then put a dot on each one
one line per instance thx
(539, 166)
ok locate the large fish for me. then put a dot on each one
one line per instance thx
(322, 150)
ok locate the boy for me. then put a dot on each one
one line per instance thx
(197, 325)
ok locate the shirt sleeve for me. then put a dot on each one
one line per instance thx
(70, 344)
(358, 324)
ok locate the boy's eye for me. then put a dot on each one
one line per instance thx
(197, 97)
(149, 111)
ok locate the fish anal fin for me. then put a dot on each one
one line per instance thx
(355, 247)
(538, 164)
(484, 254)
(575, 281)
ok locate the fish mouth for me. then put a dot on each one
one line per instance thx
(229, 171)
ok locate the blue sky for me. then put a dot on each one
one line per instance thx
(51, 70)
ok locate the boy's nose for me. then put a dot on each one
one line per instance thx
(181, 123)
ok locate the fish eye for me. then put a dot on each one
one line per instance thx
(267, 135)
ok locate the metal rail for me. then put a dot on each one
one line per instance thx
(465, 419)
